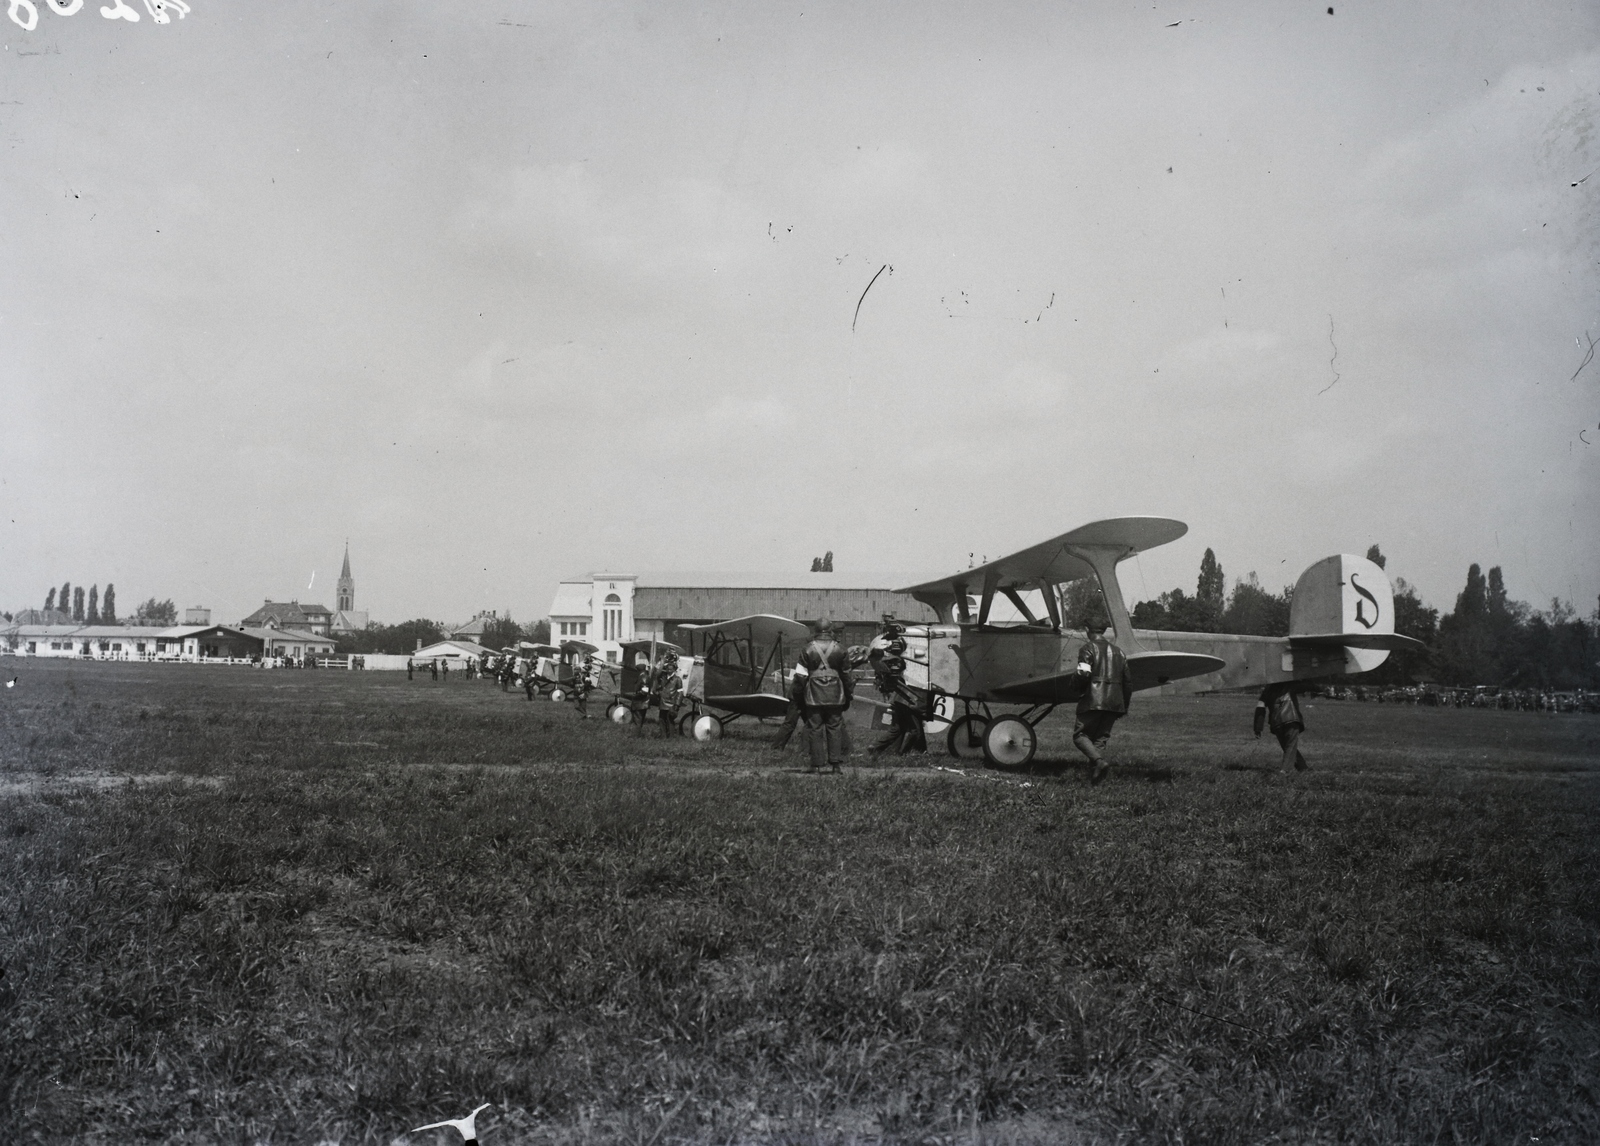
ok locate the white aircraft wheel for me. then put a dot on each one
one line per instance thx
(965, 738)
(1009, 742)
(619, 713)
(557, 696)
(708, 728)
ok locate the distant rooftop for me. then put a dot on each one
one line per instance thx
(695, 579)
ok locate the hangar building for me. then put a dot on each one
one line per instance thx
(606, 608)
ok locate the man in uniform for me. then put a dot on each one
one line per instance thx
(582, 682)
(1104, 671)
(1279, 709)
(828, 688)
(669, 693)
(886, 655)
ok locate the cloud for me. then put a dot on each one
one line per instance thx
(591, 226)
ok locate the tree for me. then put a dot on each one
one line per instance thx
(539, 631)
(1464, 650)
(77, 604)
(1081, 602)
(827, 562)
(156, 613)
(94, 605)
(1209, 594)
(1413, 619)
(816, 565)
(108, 607)
(501, 632)
(1375, 555)
(50, 599)
(64, 599)
(1254, 611)
(399, 639)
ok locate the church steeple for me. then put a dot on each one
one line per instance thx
(346, 588)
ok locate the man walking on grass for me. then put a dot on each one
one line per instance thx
(1104, 671)
(1279, 709)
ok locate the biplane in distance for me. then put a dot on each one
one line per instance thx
(1341, 621)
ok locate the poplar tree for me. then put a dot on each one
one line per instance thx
(94, 605)
(64, 599)
(108, 607)
(50, 599)
(77, 604)
(1210, 593)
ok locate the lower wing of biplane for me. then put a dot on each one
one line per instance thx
(1341, 621)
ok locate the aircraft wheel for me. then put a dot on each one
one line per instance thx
(619, 714)
(965, 738)
(708, 728)
(686, 724)
(557, 696)
(1009, 742)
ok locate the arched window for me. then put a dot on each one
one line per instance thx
(611, 617)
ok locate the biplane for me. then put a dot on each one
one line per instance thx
(1341, 621)
(739, 669)
(556, 673)
(636, 670)
(531, 657)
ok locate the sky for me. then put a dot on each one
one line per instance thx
(506, 292)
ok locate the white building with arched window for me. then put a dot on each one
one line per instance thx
(597, 609)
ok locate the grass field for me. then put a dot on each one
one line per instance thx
(298, 907)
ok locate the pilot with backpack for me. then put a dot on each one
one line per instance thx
(828, 689)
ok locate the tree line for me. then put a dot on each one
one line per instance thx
(1486, 639)
(407, 636)
(70, 606)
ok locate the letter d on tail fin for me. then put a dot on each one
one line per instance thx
(1344, 596)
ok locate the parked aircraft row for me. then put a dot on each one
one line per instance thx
(1341, 623)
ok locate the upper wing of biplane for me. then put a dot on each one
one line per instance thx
(762, 628)
(1069, 557)
(578, 647)
(537, 649)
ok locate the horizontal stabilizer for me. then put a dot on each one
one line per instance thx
(1393, 642)
(1152, 669)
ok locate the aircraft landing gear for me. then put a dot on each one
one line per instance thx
(965, 738)
(619, 714)
(1009, 742)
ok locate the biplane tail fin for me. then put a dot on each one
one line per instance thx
(1346, 602)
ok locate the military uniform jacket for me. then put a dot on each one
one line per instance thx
(1110, 686)
(1283, 708)
(820, 653)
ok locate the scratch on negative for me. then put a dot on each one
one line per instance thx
(860, 300)
(1587, 358)
(1331, 360)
